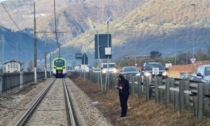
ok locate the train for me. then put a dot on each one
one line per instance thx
(59, 69)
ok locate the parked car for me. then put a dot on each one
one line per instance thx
(96, 70)
(111, 67)
(130, 70)
(202, 74)
(148, 67)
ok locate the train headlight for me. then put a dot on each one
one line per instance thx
(64, 67)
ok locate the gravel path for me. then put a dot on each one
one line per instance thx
(88, 114)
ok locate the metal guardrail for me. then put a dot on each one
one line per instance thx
(181, 93)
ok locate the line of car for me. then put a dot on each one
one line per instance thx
(147, 70)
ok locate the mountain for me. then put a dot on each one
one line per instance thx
(73, 16)
(137, 26)
(19, 45)
(168, 26)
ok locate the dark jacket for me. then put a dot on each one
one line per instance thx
(125, 87)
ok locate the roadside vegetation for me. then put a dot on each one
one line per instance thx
(181, 58)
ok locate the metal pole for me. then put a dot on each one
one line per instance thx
(45, 62)
(175, 45)
(98, 58)
(56, 35)
(3, 56)
(193, 29)
(35, 49)
(17, 51)
(50, 65)
(108, 55)
(84, 67)
(99, 62)
(135, 62)
(186, 45)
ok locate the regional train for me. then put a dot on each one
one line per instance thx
(59, 67)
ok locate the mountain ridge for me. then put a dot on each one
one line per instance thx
(171, 27)
(73, 17)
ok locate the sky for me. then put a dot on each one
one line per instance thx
(2, 0)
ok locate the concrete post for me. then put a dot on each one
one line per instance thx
(160, 92)
(172, 93)
(147, 88)
(195, 105)
(156, 91)
(167, 91)
(187, 97)
(176, 100)
(181, 96)
(45, 73)
(144, 85)
(139, 87)
(21, 80)
(132, 80)
(200, 102)
(1, 84)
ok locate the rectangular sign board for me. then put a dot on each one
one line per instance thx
(102, 41)
(78, 55)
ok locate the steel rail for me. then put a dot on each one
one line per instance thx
(72, 119)
(30, 111)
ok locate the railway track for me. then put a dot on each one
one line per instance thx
(53, 107)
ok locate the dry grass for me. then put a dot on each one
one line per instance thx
(140, 113)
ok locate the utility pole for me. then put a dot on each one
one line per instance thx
(193, 30)
(175, 45)
(17, 51)
(56, 35)
(99, 64)
(2, 40)
(45, 62)
(107, 22)
(35, 48)
(50, 65)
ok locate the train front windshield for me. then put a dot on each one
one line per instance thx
(59, 63)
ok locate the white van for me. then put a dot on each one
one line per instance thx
(111, 66)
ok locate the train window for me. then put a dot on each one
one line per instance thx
(59, 63)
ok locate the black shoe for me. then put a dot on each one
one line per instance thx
(123, 116)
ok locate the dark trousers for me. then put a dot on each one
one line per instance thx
(123, 104)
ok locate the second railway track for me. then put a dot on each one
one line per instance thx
(53, 107)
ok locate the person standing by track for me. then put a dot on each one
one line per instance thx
(124, 92)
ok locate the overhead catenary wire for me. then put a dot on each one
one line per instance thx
(41, 49)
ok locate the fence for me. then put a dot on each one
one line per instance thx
(11, 80)
(178, 92)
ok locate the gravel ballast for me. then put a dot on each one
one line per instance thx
(88, 114)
